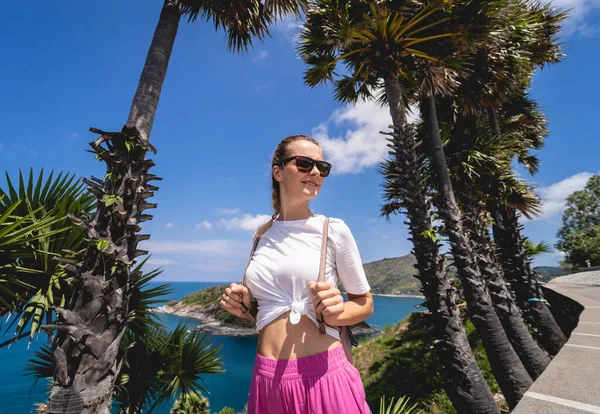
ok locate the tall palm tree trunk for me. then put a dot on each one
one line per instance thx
(510, 373)
(145, 101)
(464, 382)
(90, 328)
(532, 356)
(523, 281)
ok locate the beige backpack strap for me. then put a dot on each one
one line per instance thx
(256, 239)
(261, 230)
(323, 264)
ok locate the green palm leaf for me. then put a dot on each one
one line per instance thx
(42, 280)
(401, 406)
(165, 365)
(534, 249)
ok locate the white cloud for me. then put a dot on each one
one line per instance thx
(260, 55)
(169, 225)
(163, 262)
(289, 29)
(361, 145)
(228, 211)
(217, 266)
(549, 259)
(75, 135)
(206, 260)
(555, 195)
(206, 247)
(580, 12)
(205, 225)
(246, 223)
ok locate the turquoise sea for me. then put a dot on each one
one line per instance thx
(18, 395)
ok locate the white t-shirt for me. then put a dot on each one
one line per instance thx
(288, 256)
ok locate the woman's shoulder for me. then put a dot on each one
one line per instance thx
(338, 227)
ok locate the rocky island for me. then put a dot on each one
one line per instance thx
(204, 306)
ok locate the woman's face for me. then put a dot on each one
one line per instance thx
(297, 184)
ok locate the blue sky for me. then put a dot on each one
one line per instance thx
(70, 65)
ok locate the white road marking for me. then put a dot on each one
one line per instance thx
(561, 401)
(583, 346)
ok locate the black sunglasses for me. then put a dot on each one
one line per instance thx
(306, 164)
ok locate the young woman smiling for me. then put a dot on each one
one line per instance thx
(299, 367)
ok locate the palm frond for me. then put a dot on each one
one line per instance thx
(402, 406)
(42, 280)
(534, 249)
(165, 365)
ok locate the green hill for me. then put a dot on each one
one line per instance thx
(396, 275)
(549, 272)
(393, 276)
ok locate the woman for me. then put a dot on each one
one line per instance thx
(298, 369)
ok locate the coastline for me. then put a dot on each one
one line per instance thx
(398, 295)
(210, 325)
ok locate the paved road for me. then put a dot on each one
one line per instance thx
(571, 383)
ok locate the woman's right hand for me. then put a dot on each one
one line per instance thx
(233, 298)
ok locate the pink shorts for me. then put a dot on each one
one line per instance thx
(320, 384)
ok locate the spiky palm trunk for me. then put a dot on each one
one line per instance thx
(523, 281)
(90, 328)
(510, 373)
(465, 385)
(476, 224)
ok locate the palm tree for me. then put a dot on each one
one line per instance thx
(43, 280)
(486, 88)
(382, 52)
(525, 38)
(523, 129)
(478, 172)
(158, 365)
(92, 323)
(517, 268)
(510, 373)
(372, 40)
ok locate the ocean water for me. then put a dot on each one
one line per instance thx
(18, 393)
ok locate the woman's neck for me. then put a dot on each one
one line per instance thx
(290, 211)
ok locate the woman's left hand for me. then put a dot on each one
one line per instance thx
(328, 301)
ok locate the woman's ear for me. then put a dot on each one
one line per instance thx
(277, 173)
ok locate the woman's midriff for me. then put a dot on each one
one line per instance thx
(281, 340)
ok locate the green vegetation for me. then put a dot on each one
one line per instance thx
(548, 273)
(401, 406)
(38, 207)
(191, 403)
(204, 297)
(395, 276)
(402, 362)
(579, 236)
(208, 300)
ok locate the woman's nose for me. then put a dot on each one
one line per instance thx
(315, 171)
